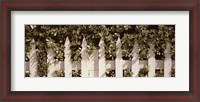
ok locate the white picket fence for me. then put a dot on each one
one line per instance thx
(95, 65)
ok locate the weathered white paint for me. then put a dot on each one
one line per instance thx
(135, 60)
(102, 59)
(76, 65)
(84, 61)
(143, 63)
(127, 64)
(151, 61)
(159, 64)
(119, 60)
(59, 65)
(50, 61)
(33, 61)
(93, 61)
(167, 61)
(110, 64)
(95, 65)
(67, 61)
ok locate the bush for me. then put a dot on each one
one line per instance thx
(127, 73)
(110, 73)
(143, 72)
(27, 74)
(58, 73)
(159, 73)
(76, 73)
(173, 72)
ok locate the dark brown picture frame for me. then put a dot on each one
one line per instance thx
(6, 95)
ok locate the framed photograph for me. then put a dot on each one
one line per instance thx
(102, 50)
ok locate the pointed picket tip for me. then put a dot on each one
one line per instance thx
(32, 41)
(135, 45)
(67, 42)
(84, 47)
(50, 51)
(84, 42)
(118, 43)
(101, 43)
(33, 45)
(168, 49)
(135, 50)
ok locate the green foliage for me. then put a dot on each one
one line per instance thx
(27, 74)
(110, 48)
(110, 73)
(127, 73)
(58, 73)
(127, 46)
(142, 39)
(76, 73)
(143, 71)
(54, 36)
(166, 34)
(41, 59)
(159, 73)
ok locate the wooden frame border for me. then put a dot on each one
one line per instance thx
(98, 5)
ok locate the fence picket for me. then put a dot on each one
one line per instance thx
(84, 61)
(50, 61)
(135, 60)
(67, 61)
(151, 62)
(93, 60)
(119, 60)
(33, 61)
(102, 59)
(167, 61)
